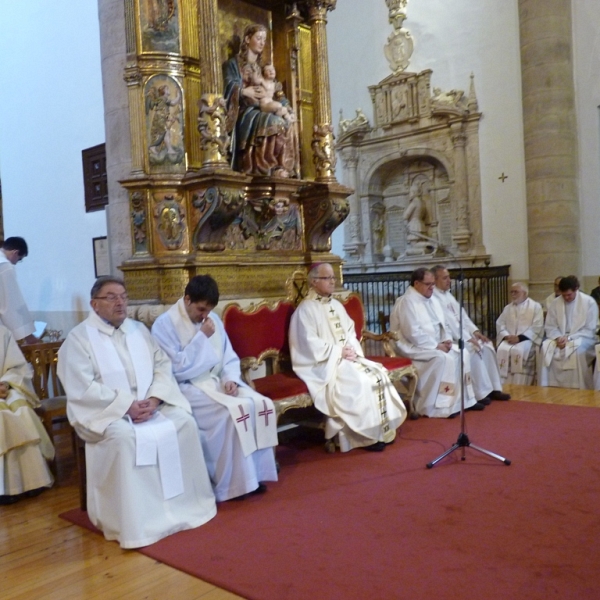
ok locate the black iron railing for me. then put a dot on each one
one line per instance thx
(485, 292)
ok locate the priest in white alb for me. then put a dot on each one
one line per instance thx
(418, 319)
(361, 405)
(238, 426)
(146, 476)
(520, 330)
(14, 314)
(568, 353)
(25, 446)
(485, 376)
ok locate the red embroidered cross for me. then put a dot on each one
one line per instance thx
(447, 389)
(265, 413)
(243, 418)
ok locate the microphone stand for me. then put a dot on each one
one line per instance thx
(463, 440)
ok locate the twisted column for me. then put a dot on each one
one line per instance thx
(211, 120)
(323, 145)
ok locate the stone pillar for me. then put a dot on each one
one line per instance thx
(461, 237)
(550, 136)
(353, 238)
(114, 20)
(211, 121)
(322, 143)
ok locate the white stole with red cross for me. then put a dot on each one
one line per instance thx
(264, 433)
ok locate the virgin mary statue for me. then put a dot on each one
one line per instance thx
(262, 142)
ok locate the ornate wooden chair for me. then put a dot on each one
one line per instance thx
(259, 335)
(53, 411)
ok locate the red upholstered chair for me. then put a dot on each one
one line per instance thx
(402, 372)
(259, 336)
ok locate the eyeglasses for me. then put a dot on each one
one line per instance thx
(112, 297)
(330, 278)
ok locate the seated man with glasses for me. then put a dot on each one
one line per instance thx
(362, 407)
(146, 475)
(418, 319)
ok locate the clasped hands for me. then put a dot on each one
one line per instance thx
(445, 346)
(562, 341)
(143, 410)
(349, 353)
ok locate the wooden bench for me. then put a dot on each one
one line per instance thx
(259, 335)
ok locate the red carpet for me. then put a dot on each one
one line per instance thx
(382, 526)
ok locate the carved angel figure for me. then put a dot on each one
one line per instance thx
(166, 139)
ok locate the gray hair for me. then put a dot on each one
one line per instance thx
(102, 281)
(524, 287)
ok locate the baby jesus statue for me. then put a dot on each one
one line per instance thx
(270, 86)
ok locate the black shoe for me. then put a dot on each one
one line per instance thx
(261, 489)
(6, 500)
(376, 447)
(33, 493)
(476, 406)
(485, 401)
(498, 395)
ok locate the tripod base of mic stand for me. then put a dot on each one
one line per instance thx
(464, 442)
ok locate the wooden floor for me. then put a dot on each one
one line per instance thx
(42, 556)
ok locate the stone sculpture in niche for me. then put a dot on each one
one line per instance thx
(263, 141)
(420, 162)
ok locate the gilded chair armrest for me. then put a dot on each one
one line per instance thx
(247, 365)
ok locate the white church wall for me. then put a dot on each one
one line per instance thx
(454, 40)
(50, 109)
(586, 59)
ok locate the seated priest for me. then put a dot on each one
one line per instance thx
(24, 444)
(520, 329)
(568, 350)
(362, 407)
(238, 426)
(485, 376)
(146, 475)
(418, 319)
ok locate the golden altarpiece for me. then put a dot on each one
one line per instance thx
(197, 203)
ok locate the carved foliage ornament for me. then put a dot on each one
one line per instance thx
(212, 124)
(138, 220)
(218, 208)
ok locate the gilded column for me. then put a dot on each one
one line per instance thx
(323, 140)
(211, 120)
(550, 141)
(462, 235)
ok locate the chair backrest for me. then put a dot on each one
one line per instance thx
(354, 307)
(258, 328)
(44, 359)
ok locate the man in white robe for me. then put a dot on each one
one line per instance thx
(568, 351)
(146, 476)
(24, 443)
(485, 376)
(555, 294)
(14, 314)
(362, 407)
(238, 426)
(418, 319)
(520, 329)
